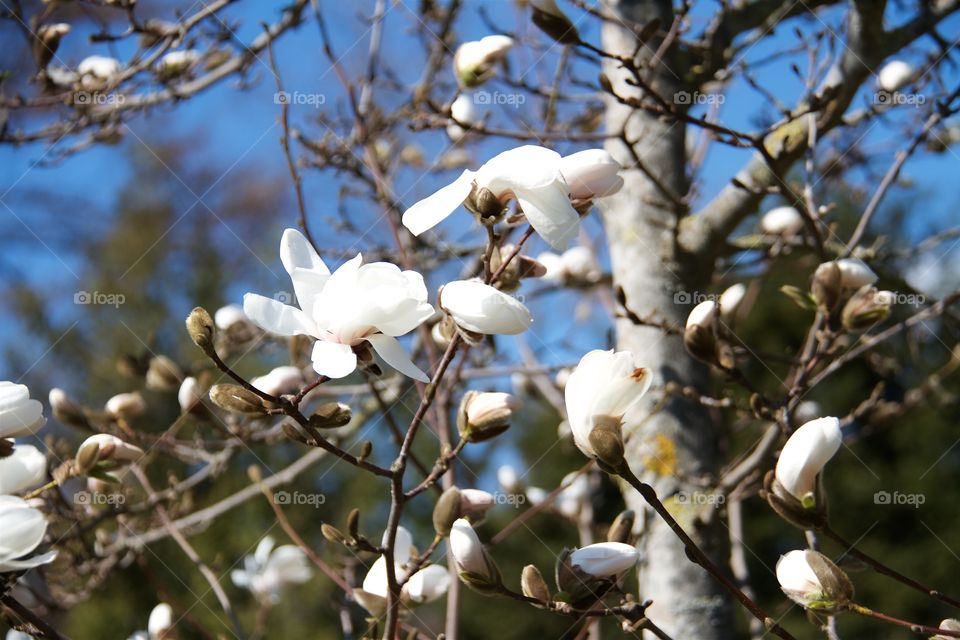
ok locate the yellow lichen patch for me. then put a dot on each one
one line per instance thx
(660, 455)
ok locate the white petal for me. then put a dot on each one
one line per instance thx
(605, 559)
(433, 209)
(161, 619)
(428, 584)
(806, 452)
(466, 548)
(9, 565)
(25, 469)
(795, 574)
(333, 359)
(527, 167)
(307, 271)
(592, 173)
(478, 307)
(393, 354)
(376, 580)
(549, 211)
(276, 317)
(23, 528)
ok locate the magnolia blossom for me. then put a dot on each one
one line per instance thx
(894, 75)
(855, 273)
(602, 388)
(473, 60)
(126, 405)
(357, 303)
(25, 469)
(104, 447)
(796, 577)
(731, 298)
(190, 394)
(99, 69)
(464, 111)
(530, 174)
(474, 503)
(579, 264)
(285, 379)
(268, 570)
(23, 529)
(426, 585)
(480, 308)
(804, 456)
(229, 315)
(19, 414)
(592, 173)
(467, 550)
(179, 61)
(703, 315)
(782, 221)
(812, 580)
(605, 559)
(159, 623)
(553, 263)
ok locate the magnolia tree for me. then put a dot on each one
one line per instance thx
(581, 136)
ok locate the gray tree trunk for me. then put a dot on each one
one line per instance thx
(640, 224)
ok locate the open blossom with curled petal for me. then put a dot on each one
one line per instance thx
(602, 388)
(592, 173)
(268, 570)
(473, 61)
(804, 455)
(23, 529)
(529, 174)
(480, 308)
(20, 415)
(25, 469)
(426, 585)
(357, 303)
(605, 559)
(782, 221)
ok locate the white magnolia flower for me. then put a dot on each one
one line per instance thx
(480, 308)
(160, 622)
(269, 570)
(25, 469)
(592, 173)
(126, 405)
(804, 455)
(358, 302)
(467, 549)
(854, 273)
(553, 263)
(530, 174)
(731, 298)
(426, 585)
(703, 315)
(473, 61)
(179, 61)
(508, 479)
(474, 503)
(19, 414)
(603, 387)
(190, 394)
(813, 581)
(782, 221)
(23, 529)
(605, 559)
(578, 264)
(229, 315)
(104, 447)
(99, 68)
(796, 576)
(285, 379)
(464, 111)
(894, 75)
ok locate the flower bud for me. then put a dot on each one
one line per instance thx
(105, 448)
(533, 585)
(480, 308)
(622, 528)
(548, 17)
(804, 455)
(605, 559)
(811, 580)
(477, 569)
(190, 395)
(285, 379)
(606, 441)
(730, 300)
(235, 398)
(950, 624)
(66, 410)
(485, 415)
(332, 534)
(782, 221)
(473, 61)
(855, 273)
(894, 76)
(200, 328)
(446, 511)
(463, 110)
(330, 415)
(699, 336)
(160, 622)
(126, 405)
(826, 285)
(508, 480)
(163, 374)
(866, 308)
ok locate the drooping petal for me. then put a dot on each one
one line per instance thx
(23, 527)
(478, 307)
(276, 317)
(333, 359)
(389, 348)
(435, 208)
(550, 213)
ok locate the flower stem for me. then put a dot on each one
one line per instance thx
(919, 629)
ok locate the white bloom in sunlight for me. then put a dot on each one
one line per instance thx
(269, 570)
(605, 559)
(480, 308)
(796, 576)
(160, 621)
(854, 273)
(804, 455)
(473, 61)
(375, 581)
(285, 379)
(179, 61)
(20, 415)
(702, 315)
(99, 67)
(578, 264)
(23, 529)
(731, 298)
(529, 174)
(782, 221)
(813, 581)
(464, 111)
(592, 173)
(426, 585)
(25, 469)
(894, 75)
(104, 447)
(190, 394)
(229, 315)
(358, 302)
(467, 549)
(126, 405)
(602, 388)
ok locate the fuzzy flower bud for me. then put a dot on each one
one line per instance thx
(485, 415)
(811, 580)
